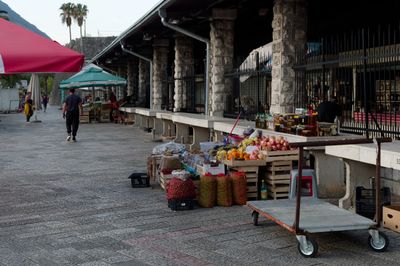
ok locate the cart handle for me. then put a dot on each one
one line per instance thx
(301, 145)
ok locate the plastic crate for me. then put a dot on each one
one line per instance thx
(365, 200)
(181, 204)
(139, 180)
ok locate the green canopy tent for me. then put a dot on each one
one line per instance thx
(92, 77)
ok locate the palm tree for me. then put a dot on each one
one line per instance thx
(80, 13)
(66, 16)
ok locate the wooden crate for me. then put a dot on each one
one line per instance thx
(271, 156)
(153, 167)
(84, 119)
(278, 195)
(278, 178)
(129, 119)
(164, 180)
(244, 163)
(252, 173)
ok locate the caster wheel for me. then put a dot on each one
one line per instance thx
(254, 217)
(308, 248)
(380, 245)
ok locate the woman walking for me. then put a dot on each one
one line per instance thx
(28, 110)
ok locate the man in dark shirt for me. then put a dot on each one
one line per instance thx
(328, 111)
(71, 108)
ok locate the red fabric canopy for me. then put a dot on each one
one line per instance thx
(23, 51)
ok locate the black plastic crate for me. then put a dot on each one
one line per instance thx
(181, 204)
(365, 200)
(139, 180)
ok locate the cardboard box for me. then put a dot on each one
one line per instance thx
(391, 217)
(213, 170)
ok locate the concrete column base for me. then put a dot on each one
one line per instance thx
(158, 126)
(200, 134)
(357, 174)
(182, 133)
(168, 128)
(138, 120)
(330, 175)
(218, 136)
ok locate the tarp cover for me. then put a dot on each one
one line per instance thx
(23, 51)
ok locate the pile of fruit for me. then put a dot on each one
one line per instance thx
(243, 152)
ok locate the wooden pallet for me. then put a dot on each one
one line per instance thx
(252, 173)
(278, 195)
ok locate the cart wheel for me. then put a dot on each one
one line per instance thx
(308, 247)
(380, 245)
(254, 217)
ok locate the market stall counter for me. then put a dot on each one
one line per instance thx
(201, 125)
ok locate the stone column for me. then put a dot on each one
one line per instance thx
(289, 35)
(160, 71)
(143, 73)
(120, 91)
(132, 76)
(221, 46)
(184, 67)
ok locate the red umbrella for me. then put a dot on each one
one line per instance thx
(23, 51)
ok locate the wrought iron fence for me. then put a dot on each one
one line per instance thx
(251, 86)
(193, 94)
(361, 70)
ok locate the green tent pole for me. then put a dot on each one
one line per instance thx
(62, 96)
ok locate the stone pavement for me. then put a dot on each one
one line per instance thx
(71, 204)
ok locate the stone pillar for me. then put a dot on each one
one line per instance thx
(143, 73)
(160, 71)
(184, 67)
(221, 46)
(132, 76)
(120, 91)
(289, 35)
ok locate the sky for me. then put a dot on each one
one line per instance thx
(105, 18)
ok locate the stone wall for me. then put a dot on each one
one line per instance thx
(184, 67)
(160, 74)
(289, 35)
(91, 45)
(222, 48)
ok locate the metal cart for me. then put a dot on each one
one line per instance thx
(315, 215)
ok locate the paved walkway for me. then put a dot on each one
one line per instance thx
(71, 204)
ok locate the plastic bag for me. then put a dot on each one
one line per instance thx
(207, 191)
(239, 188)
(224, 191)
(178, 189)
(181, 174)
(170, 147)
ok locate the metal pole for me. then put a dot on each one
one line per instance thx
(366, 109)
(378, 210)
(258, 80)
(298, 193)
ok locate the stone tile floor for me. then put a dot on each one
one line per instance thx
(71, 204)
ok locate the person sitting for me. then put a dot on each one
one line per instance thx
(328, 111)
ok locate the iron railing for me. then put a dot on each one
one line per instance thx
(251, 87)
(361, 69)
